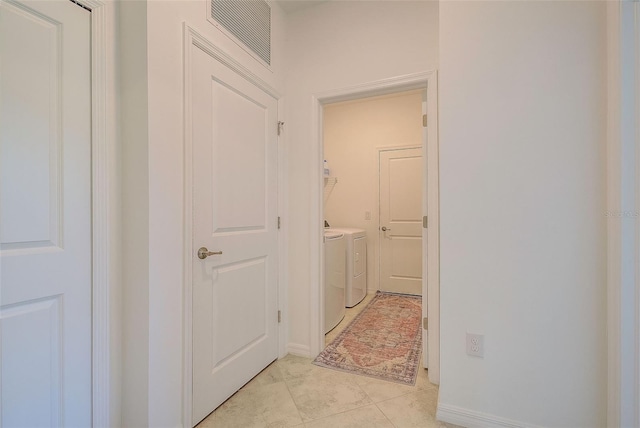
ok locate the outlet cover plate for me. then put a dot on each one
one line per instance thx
(475, 345)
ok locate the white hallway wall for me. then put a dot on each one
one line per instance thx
(153, 189)
(135, 208)
(335, 45)
(522, 173)
(162, 309)
(353, 132)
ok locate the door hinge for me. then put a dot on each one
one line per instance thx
(425, 222)
(280, 127)
(280, 316)
(278, 222)
(424, 120)
(425, 323)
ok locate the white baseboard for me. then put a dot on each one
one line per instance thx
(299, 350)
(473, 419)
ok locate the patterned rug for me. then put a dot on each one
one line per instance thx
(383, 341)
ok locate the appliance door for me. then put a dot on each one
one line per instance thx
(334, 281)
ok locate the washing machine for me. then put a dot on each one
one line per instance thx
(356, 264)
(334, 279)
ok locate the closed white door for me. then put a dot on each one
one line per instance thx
(401, 221)
(235, 314)
(45, 214)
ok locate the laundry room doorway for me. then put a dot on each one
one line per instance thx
(348, 183)
(365, 139)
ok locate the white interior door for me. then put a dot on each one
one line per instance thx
(45, 214)
(401, 221)
(235, 314)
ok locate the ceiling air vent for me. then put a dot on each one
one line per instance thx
(249, 21)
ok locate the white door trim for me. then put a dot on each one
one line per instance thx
(430, 284)
(623, 208)
(192, 37)
(104, 218)
(283, 239)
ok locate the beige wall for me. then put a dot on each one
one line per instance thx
(353, 133)
(335, 45)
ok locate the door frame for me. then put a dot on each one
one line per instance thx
(192, 37)
(431, 282)
(105, 334)
(423, 184)
(623, 206)
(105, 220)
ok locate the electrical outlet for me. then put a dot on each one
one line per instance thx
(367, 215)
(475, 345)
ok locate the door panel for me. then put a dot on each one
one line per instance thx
(239, 282)
(401, 215)
(32, 375)
(32, 104)
(238, 156)
(233, 127)
(45, 211)
(405, 203)
(406, 254)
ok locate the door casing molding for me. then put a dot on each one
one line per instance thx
(431, 282)
(105, 226)
(623, 206)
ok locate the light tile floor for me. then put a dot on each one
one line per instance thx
(292, 392)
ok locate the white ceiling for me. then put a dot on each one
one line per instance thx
(293, 5)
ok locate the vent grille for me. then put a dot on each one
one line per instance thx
(249, 21)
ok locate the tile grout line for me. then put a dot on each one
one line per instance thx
(385, 415)
(333, 414)
(371, 402)
(347, 411)
(286, 383)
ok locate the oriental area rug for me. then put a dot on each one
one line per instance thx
(383, 341)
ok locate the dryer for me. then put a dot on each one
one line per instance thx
(356, 264)
(334, 279)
